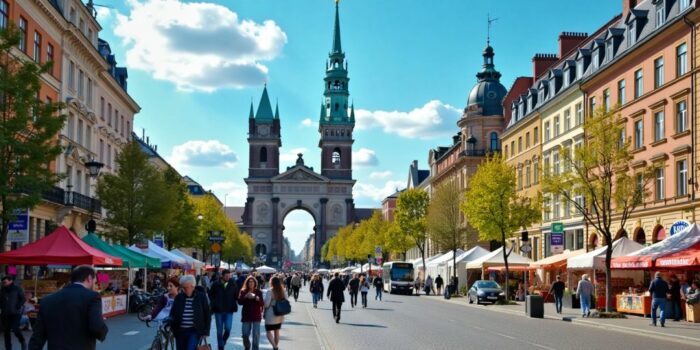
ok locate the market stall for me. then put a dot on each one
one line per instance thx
(462, 261)
(374, 270)
(495, 261)
(196, 264)
(168, 260)
(418, 268)
(646, 258)
(438, 266)
(265, 269)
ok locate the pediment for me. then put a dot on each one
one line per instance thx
(300, 174)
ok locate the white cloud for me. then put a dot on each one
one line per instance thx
(380, 174)
(104, 13)
(233, 194)
(198, 46)
(364, 157)
(198, 153)
(291, 156)
(308, 122)
(433, 120)
(377, 193)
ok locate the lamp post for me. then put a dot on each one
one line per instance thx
(94, 167)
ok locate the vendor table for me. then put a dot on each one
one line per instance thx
(634, 304)
(113, 305)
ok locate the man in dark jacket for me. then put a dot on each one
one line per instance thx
(675, 291)
(190, 315)
(223, 295)
(336, 294)
(11, 304)
(659, 291)
(72, 317)
(438, 284)
(354, 288)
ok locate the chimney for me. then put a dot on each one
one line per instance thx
(541, 62)
(415, 164)
(627, 5)
(568, 41)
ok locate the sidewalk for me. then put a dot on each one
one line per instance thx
(682, 331)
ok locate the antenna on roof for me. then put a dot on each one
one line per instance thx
(489, 20)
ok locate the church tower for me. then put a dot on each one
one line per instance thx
(336, 123)
(264, 139)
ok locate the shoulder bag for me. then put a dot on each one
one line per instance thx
(282, 307)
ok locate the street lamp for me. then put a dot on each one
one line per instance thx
(94, 167)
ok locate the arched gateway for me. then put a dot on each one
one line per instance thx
(326, 196)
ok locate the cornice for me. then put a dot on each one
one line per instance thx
(119, 91)
(53, 14)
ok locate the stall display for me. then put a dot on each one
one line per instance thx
(647, 258)
(634, 303)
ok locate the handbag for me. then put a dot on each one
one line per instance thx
(203, 345)
(282, 307)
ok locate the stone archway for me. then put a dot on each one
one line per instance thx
(658, 234)
(301, 207)
(620, 233)
(640, 236)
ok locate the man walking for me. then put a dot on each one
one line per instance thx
(336, 295)
(378, 287)
(659, 291)
(354, 288)
(584, 291)
(72, 317)
(438, 284)
(222, 296)
(557, 290)
(296, 285)
(11, 304)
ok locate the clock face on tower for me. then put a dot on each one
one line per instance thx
(264, 130)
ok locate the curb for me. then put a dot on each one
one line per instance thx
(682, 339)
(322, 341)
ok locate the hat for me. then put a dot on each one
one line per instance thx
(7, 278)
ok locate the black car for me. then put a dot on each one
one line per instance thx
(485, 291)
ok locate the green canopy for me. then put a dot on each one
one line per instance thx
(130, 258)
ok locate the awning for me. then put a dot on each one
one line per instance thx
(645, 258)
(151, 263)
(558, 260)
(595, 259)
(192, 261)
(470, 255)
(687, 258)
(60, 247)
(97, 243)
(167, 259)
(495, 258)
(443, 258)
(510, 268)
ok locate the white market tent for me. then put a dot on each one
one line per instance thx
(167, 259)
(595, 259)
(323, 271)
(348, 269)
(265, 269)
(418, 263)
(365, 268)
(240, 266)
(462, 261)
(495, 259)
(198, 265)
(438, 266)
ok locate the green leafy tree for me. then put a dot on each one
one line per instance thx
(28, 130)
(599, 172)
(214, 219)
(445, 225)
(396, 241)
(493, 207)
(184, 222)
(137, 198)
(410, 214)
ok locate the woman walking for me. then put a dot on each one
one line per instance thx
(251, 299)
(273, 323)
(316, 289)
(364, 289)
(190, 316)
(165, 302)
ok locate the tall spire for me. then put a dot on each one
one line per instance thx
(336, 31)
(265, 107)
(277, 110)
(251, 115)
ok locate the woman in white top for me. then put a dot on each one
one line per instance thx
(364, 289)
(273, 323)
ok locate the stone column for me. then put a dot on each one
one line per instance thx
(322, 218)
(349, 210)
(276, 241)
(248, 211)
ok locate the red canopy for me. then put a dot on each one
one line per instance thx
(686, 258)
(61, 247)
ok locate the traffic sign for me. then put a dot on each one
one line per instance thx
(215, 260)
(556, 238)
(19, 227)
(378, 252)
(526, 248)
(216, 247)
(216, 236)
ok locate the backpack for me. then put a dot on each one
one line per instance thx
(282, 307)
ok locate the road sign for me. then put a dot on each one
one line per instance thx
(678, 226)
(556, 238)
(526, 248)
(216, 247)
(215, 260)
(18, 229)
(159, 240)
(378, 252)
(216, 236)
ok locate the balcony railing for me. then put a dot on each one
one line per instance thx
(71, 198)
(478, 152)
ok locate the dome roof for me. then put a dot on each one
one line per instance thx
(488, 95)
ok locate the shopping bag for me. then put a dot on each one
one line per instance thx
(203, 345)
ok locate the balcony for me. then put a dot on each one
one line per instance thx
(73, 199)
(478, 152)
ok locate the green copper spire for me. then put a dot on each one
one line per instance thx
(336, 32)
(265, 107)
(251, 115)
(277, 110)
(322, 118)
(352, 112)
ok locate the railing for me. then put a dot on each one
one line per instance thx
(478, 152)
(71, 198)
(55, 195)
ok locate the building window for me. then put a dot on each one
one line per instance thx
(263, 155)
(116, 120)
(660, 14)
(681, 59)
(682, 177)
(595, 58)
(556, 126)
(49, 56)
(567, 120)
(109, 155)
(658, 126)
(621, 141)
(4, 13)
(494, 141)
(681, 117)
(536, 172)
(536, 136)
(546, 169)
(592, 104)
(684, 4)
(632, 31)
(579, 114)
(527, 175)
(555, 163)
(81, 77)
(555, 207)
(128, 129)
(659, 184)
(89, 93)
(638, 133)
(37, 47)
(621, 92)
(606, 99)
(520, 144)
(547, 211)
(71, 75)
(527, 140)
(121, 130)
(638, 83)
(546, 131)
(22, 34)
(640, 183)
(79, 138)
(658, 72)
(609, 50)
(109, 114)
(102, 108)
(512, 148)
(520, 176)
(72, 15)
(579, 68)
(335, 157)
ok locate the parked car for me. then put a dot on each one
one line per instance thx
(485, 291)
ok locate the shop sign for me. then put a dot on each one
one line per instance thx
(556, 238)
(159, 240)
(215, 260)
(18, 229)
(678, 226)
(378, 252)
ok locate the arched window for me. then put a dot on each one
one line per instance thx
(263, 155)
(260, 249)
(335, 157)
(337, 105)
(640, 236)
(494, 142)
(335, 64)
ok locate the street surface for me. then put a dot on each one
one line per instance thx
(407, 322)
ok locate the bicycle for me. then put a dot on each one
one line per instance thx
(164, 339)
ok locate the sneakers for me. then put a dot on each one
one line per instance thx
(652, 324)
(337, 320)
(588, 314)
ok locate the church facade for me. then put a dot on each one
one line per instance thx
(325, 195)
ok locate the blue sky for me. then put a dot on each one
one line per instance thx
(195, 66)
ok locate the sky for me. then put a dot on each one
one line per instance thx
(194, 68)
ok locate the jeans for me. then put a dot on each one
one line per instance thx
(585, 304)
(676, 307)
(364, 299)
(353, 298)
(337, 306)
(10, 324)
(316, 297)
(558, 302)
(223, 326)
(655, 304)
(295, 292)
(246, 330)
(379, 293)
(186, 339)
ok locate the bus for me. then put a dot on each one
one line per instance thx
(398, 277)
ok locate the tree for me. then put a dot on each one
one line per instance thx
(395, 240)
(493, 207)
(410, 214)
(28, 129)
(137, 198)
(444, 220)
(598, 172)
(184, 222)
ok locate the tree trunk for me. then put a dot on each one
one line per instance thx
(425, 269)
(3, 234)
(505, 260)
(608, 277)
